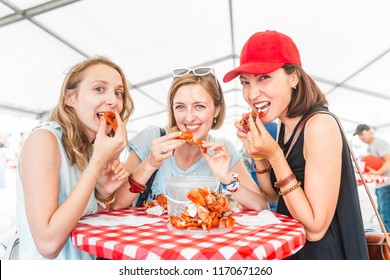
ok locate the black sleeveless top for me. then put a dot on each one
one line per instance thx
(344, 239)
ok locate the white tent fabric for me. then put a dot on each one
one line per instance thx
(344, 46)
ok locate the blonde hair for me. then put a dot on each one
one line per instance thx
(208, 82)
(75, 141)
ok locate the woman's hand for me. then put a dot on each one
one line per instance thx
(257, 141)
(112, 177)
(163, 148)
(107, 148)
(220, 162)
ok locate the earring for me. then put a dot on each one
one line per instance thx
(294, 87)
(215, 121)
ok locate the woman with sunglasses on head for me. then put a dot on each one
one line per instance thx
(196, 105)
(68, 166)
(315, 180)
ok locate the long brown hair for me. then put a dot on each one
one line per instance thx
(211, 85)
(76, 144)
(306, 95)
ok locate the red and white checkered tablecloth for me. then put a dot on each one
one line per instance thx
(371, 178)
(156, 241)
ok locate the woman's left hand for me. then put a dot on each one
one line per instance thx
(219, 162)
(112, 177)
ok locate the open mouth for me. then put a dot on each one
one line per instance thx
(192, 127)
(262, 108)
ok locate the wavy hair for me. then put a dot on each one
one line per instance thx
(212, 86)
(74, 139)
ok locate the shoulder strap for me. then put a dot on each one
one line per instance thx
(144, 196)
(299, 129)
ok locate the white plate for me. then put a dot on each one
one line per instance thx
(213, 231)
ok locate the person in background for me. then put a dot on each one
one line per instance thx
(68, 165)
(381, 148)
(195, 104)
(316, 183)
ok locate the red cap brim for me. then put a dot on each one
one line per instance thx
(252, 68)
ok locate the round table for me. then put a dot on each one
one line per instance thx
(156, 241)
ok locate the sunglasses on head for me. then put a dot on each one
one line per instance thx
(199, 72)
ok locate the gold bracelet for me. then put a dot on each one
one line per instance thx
(93, 174)
(103, 202)
(298, 184)
(98, 161)
(258, 158)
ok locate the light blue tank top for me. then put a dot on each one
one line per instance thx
(141, 143)
(69, 176)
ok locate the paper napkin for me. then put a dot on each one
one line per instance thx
(128, 220)
(263, 218)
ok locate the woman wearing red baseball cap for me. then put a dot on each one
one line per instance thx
(314, 181)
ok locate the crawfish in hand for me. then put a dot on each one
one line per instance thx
(189, 137)
(110, 119)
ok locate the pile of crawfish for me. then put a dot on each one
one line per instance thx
(209, 210)
(161, 200)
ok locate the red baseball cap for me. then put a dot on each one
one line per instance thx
(265, 52)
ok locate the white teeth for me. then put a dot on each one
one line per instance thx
(260, 105)
(192, 126)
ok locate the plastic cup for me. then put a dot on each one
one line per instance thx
(176, 189)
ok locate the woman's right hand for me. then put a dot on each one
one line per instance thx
(258, 142)
(163, 148)
(107, 148)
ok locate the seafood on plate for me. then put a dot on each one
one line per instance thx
(110, 119)
(208, 210)
(156, 206)
(161, 199)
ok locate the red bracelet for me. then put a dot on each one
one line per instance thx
(135, 187)
(285, 181)
(266, 170)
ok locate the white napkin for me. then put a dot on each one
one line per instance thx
(155, 211)
(263, 218)
(127, 220)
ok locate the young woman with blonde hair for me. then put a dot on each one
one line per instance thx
(195, 104)
(68, 166)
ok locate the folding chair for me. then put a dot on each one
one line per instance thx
(11, 248)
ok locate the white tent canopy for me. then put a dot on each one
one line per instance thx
(344, 46)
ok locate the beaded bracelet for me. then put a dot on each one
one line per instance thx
(135, 187)
(233, 186)
(285, 181)
(266, 170)
(103, 202)
(298, 184)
